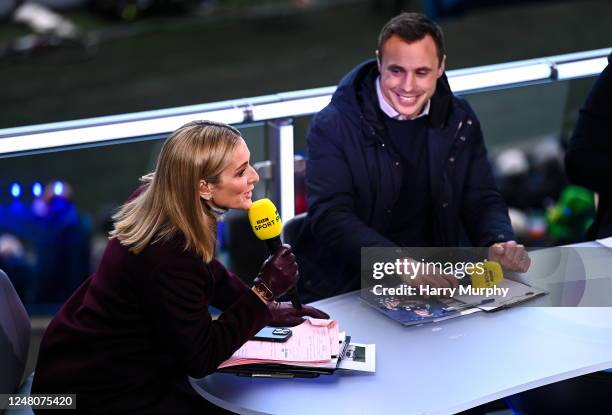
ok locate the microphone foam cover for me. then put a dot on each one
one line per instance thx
(265, 220)
(492, 275)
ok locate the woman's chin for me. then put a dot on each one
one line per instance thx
(246, 204)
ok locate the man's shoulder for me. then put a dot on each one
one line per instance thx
(328, 115)
(331, 119)
(462, 104)
(344, 105)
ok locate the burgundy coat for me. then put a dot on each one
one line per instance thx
(140, 325)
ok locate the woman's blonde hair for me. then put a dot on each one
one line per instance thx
(170, 202)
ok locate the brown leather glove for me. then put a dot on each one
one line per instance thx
(278, 274)
(284, 314)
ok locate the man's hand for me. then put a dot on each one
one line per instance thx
(434, 280)
(510, 255)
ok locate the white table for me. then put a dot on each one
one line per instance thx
(436, 368)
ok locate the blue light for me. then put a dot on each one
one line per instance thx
(37, 189)
(15, 190)
(567, 212)
(58, 188)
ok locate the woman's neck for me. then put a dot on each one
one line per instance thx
(216, 210)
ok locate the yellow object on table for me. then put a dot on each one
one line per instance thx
(492, 275)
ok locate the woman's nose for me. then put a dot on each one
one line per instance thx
(254, 176)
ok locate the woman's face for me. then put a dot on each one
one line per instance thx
(237, 181)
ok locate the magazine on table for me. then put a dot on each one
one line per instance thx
(411, 310)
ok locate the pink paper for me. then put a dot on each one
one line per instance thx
(315, 340)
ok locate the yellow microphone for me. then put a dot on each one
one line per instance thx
(491, 275)
(266, 223)
(267, 226)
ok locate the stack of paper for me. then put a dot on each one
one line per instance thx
(315, 347)
(607, 242)
(314, 341)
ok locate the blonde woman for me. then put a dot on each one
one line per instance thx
(127, 339)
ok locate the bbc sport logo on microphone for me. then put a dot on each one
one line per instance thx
(265, 220)
(264, 223)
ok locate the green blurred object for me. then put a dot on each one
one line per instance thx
(570, 218)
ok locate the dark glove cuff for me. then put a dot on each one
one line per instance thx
(263, 290)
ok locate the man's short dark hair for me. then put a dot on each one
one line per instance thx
(412, 27)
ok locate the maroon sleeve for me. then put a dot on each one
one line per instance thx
(179, 296)
(228, 286)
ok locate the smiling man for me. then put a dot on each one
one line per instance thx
(409, 72)
(397, 160)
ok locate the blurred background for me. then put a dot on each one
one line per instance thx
(65, 60)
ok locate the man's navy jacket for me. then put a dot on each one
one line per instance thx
(590, 150)
(354, 176)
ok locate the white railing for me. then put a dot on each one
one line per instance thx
(95, 131)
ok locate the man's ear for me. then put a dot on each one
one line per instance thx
(205, 190)
(378, 59)
(442, 66)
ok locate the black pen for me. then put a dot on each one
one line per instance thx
(470, 305)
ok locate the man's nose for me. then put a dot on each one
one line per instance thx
(409, 82)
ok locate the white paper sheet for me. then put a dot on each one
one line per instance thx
(359, 357)
(607, 242)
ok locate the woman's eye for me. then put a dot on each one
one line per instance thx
(241, 172)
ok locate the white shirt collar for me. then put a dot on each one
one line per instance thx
(390, 111)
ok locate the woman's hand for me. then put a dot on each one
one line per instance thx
(284, 314)
(278, 274)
